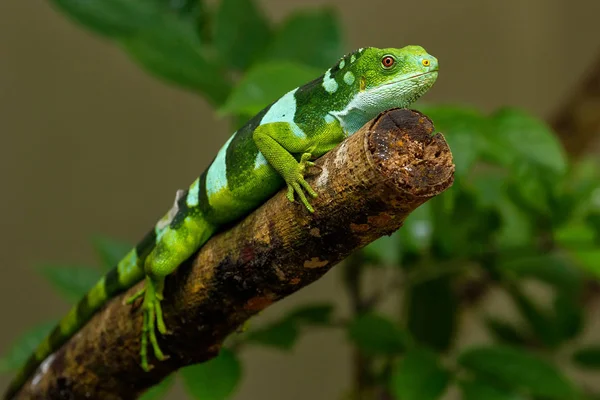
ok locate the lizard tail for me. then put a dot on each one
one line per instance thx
(124, 275)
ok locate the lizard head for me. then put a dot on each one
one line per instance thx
(375, 80)
(397, 77)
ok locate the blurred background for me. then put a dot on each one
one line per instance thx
(92, 144)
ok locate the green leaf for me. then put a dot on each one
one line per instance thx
(314, 314)
(265, 83)
(181, 6)
(518, 369)
(174, 53)
(281, 335)
(432, 308)
(419, 376)
(165, 42)
(159, 391)
(311, 38)
(593, 221)
(529, 139)
(464, 129)
(112, 17)
(578, 194)
(531, 188)
(540, 321)
(24, 346)
(241, 33)
(506, 332)
(551, 268)
(216, 379)
(516, 229)
(588, 357)
(480, 390)
(73, 282)
(461, 230)
(488, 186)
(568, 316)
(376, 335)
(552, 326)
(110, 251)
(579, 240)
(285, 333)
(575, 235)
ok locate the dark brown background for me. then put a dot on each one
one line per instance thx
(89, 143)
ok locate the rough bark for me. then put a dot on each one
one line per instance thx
(367, 186)
(577, 121)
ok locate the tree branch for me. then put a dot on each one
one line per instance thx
(367, 186)
(577, 122)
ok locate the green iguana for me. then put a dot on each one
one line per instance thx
(271, 150)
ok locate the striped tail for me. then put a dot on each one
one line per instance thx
(128, 272)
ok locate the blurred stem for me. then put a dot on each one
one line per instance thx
(353, 273)
(577, 121)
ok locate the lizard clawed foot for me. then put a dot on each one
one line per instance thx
(297, 185)
(153, 320)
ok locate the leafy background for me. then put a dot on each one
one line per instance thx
(521, 224)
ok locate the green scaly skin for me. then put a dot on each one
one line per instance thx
(271, 150)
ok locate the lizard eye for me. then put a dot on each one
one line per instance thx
(388, 61)
(426, 63)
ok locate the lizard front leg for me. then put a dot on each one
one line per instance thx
(277, 141)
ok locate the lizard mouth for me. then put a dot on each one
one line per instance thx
(411, 77)
(363, 88)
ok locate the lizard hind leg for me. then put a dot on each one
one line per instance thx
(152, 316)
(176, 243)
(152, 294)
